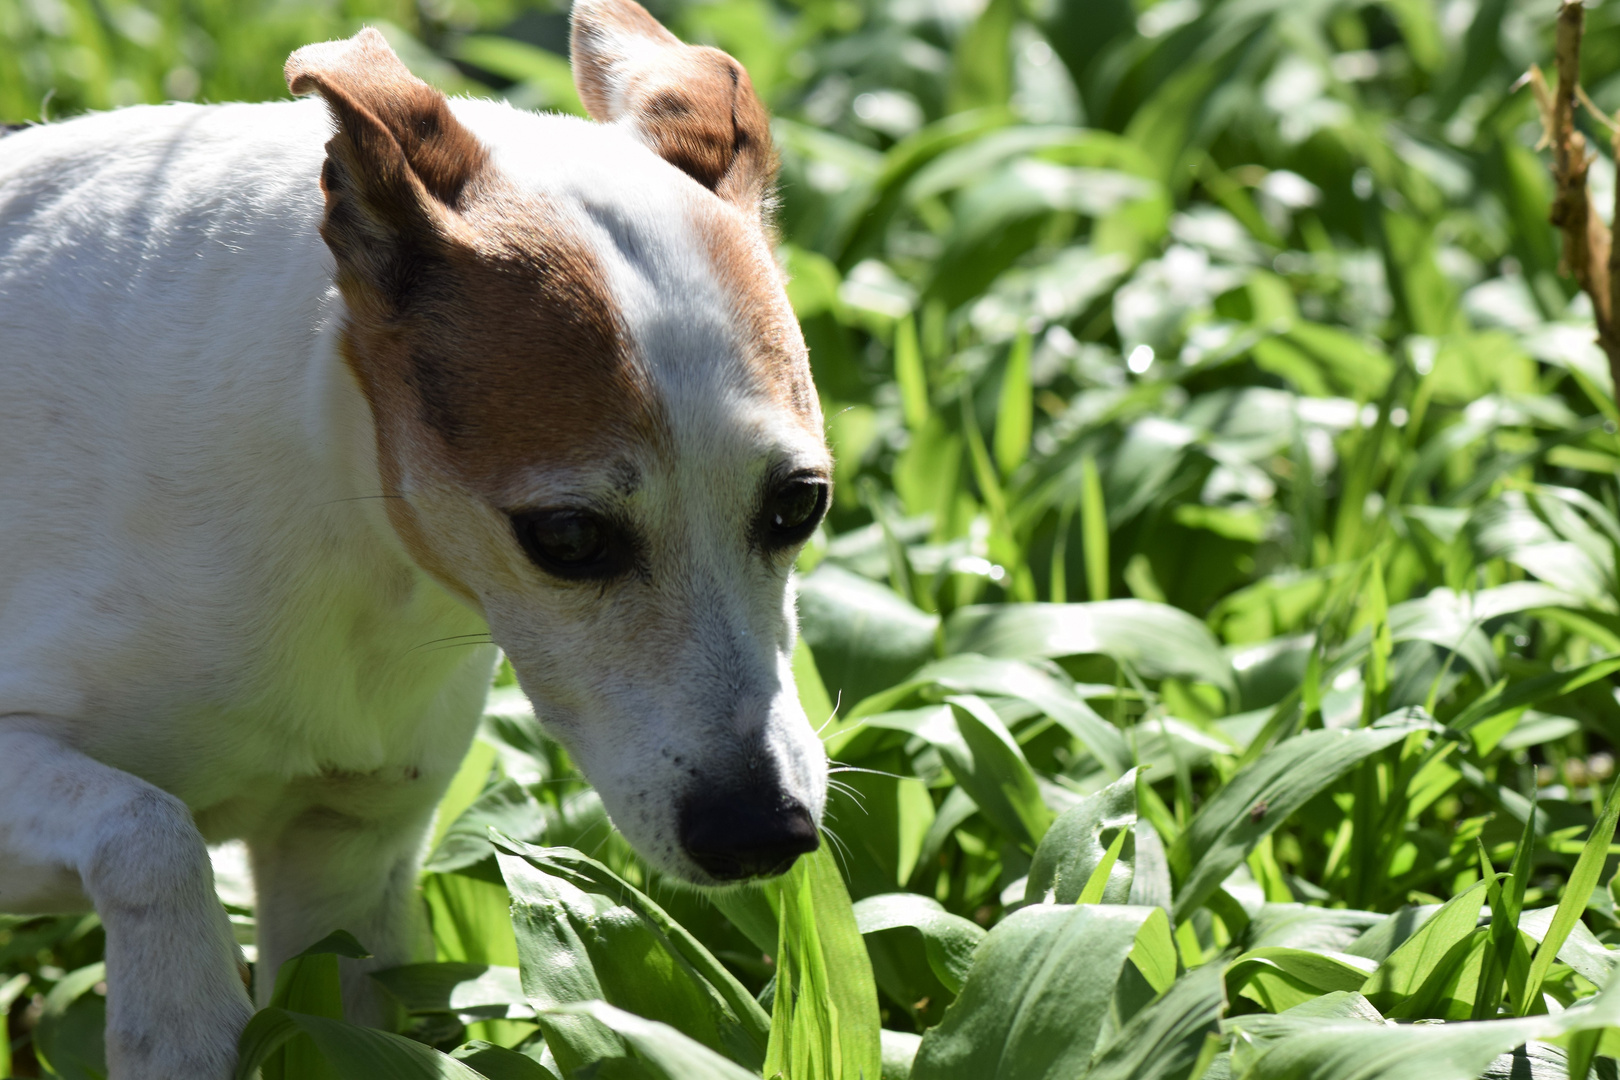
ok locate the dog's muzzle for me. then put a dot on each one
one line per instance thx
(739, 835)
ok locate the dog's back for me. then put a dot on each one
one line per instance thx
(183, 465)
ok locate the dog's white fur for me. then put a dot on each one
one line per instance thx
(210, 627)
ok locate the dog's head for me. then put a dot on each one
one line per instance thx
(594, 412)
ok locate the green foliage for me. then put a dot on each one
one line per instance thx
(1216, 626)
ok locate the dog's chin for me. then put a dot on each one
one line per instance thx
(695, 879)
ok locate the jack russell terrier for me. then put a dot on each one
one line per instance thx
(289, 391)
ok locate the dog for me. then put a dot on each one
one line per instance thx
(291, 392)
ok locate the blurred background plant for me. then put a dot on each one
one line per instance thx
(1201, 379)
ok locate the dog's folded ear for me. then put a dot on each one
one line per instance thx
(399, 164)
(694, 106)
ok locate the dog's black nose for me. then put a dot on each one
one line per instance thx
(736, 836)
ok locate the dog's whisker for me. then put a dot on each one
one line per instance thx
(856, 726)
(839, 847)
(439, 645)
(836, 704)
(874, 772)
(854, 797)
(359, 498)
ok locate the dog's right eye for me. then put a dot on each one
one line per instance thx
(571, 543)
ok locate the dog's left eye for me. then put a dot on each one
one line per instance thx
(793, 511)
(571, 543)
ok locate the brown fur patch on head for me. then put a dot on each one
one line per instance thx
(693, 106)
(511, 351)
(772, 343)
(480, 327)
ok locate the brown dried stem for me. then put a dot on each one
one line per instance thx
(1589, 253)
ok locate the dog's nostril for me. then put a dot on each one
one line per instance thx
(739, 836)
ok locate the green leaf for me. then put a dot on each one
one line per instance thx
(1415, 970)
(346, 1051)
(498, 1063)
(1047, 690)
(1504, 698)
(308, 984)
(1582, 881)
(470, 991)
(1023, 1014)
(910, 375)
(1014, 414)
(982, 72)
(1260, 798)
(899, 1051)
(68, 1038)
(824, 1024)
(995, 771)
(1327, 1041)
(672, 1055)
(1156, 639)
(1075, 848)
(865, 638)
(1094, 529)
(1162, 1040)
(948, 940)
(1280, 978)
(505, 805)
(585, 933)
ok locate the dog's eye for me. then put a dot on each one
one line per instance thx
(571, 543)
(793, 511)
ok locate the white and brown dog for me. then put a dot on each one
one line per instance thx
(279, 406)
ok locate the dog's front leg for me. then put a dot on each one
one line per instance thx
(330, 868)
(175, 998)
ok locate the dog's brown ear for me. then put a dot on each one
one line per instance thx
(694, 106)
(399, 164)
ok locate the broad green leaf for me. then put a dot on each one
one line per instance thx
(865, 637)
(1156, 639)
(1023, 1015)
(672, 1055)
(498, 1063)
(995, 771)
(949, 940)
(68, 1036)
(505, 805)
(1505, 698)
(985, 760)
(1049, 691)
(1260, 798)
(1162, 1040)
(348, 1051)
(1581, 950)
(1310, 1042)
(899, 1051)
(584, 933)
(824, 1023)
(1280, 978)
(1423, 960)
(308, 984)
(1305, 926)
(1073, 848)
(471, 991)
